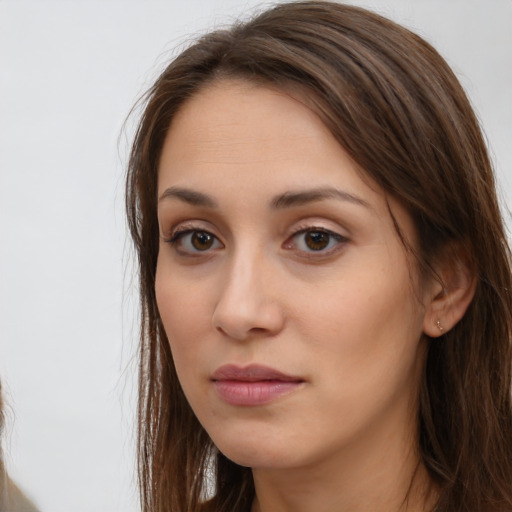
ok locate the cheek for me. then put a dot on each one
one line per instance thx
(366, 355)
(183, 311)
(368, 331)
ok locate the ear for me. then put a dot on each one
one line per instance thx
(451, 291)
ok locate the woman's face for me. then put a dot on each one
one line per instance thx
(292, 311)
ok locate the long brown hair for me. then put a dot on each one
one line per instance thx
(396, 107)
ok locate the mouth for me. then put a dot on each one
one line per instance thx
(253, 385)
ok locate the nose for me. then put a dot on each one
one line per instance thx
(248, 305)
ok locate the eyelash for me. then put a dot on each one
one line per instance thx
(178, 236)
(324, 251)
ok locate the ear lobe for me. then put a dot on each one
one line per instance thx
(450, 297)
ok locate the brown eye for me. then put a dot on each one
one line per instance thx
(190, 242)
(317, 240)
(201, 240)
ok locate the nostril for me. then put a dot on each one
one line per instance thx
(258, 330)
(221, 330)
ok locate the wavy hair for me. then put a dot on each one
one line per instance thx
(398, 110)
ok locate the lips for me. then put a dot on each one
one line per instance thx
(253, 385)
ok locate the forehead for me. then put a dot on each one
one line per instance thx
(252, 131)
(245, 112)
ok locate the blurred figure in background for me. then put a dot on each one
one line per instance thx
(12, 498)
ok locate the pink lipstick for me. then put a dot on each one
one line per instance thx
(252, 385)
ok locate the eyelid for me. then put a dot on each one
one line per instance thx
(341, 240)
(177, 238)
(182, 237)
(180, 227)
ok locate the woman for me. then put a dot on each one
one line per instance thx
(324, 276)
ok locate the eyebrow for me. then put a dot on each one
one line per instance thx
(189, 196)
(286, 200)
(301, 197)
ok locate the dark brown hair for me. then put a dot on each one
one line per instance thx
(396, 107)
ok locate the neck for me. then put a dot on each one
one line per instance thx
(386, 476)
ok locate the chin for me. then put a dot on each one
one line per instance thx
(250, 455)
(257, 454)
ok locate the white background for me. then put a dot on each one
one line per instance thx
(69, 73)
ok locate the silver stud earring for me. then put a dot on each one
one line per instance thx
(439, 326)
